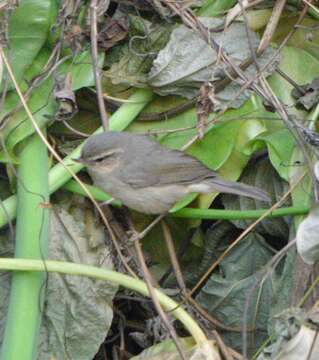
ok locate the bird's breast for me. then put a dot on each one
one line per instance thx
(148, 200)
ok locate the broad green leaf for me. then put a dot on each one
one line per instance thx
(219, 141)
(302, 67)
(183, 203)
(263, 175)
(215, 7)
(217, 145)
(174, 139)
(305, 37)
(280, 145)
(284, 286)
(41, 103)
(234, 162)
(257, 19)
(80, 68)
(29, 24)
(225, 296)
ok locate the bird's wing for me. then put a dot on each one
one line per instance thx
(165, 167)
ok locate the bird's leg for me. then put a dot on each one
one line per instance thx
(107, 202)
(132, 233)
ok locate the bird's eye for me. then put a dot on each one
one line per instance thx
(98, 160)
(110, 154)
(102, 157)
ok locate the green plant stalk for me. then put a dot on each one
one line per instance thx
(191, 213)
(59, 175)
(32, 234)
(128, 282)
(238, 214)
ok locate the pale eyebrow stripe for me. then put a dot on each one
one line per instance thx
(105, 154)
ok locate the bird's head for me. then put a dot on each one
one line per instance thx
(102, 151)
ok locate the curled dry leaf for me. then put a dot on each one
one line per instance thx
(308, 237)
(113, 32)
(65, 98)
(316, 170)
(310, 97)
(303, 346)
(294, 337)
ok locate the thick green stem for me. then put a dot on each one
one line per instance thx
(191, 213)
(59, 175)
(121, 279)
(24, 314)
(238, 214)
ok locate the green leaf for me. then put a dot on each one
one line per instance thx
(41, 103)
(302, 68)
(243, 132)
(305, 37)
(264, 176)
(225, 296)
(280, 145)
(173, 140)
(81, 69)
(217, 145)
(215, 7)
(29, 24)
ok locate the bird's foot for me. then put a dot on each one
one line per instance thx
(107, 202)
(134, 236)
(139, 235)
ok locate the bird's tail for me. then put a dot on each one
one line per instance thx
(232, 187)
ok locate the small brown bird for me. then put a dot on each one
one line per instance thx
(148, 177)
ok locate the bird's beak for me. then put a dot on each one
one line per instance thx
(83, 161)
(79, 160)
